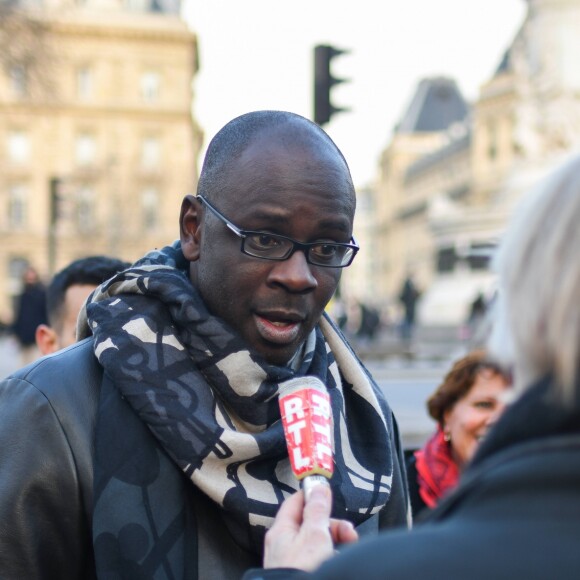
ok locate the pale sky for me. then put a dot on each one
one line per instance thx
(257, 54)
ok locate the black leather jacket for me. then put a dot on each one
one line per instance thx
(48, 413)
(46, 489)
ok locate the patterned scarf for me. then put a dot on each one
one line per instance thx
(212, 404)
(437, 473)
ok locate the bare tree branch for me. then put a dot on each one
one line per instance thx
(26, 51)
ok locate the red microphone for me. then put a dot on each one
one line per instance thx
(307, 420)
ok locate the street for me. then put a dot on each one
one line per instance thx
(406, 387)
(9, 356)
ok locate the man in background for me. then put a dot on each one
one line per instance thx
(65, 296)
(29, 313)
(408, 297)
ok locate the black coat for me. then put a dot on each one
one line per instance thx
(48, 414)
(515, 514)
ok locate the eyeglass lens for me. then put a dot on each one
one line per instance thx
(263, 245)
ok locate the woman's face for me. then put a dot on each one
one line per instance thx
(467, 422)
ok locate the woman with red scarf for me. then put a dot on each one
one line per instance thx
(467, 402)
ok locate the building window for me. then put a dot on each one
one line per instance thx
(17, 206)
(85, 209)
(480, 255)
(84, 83)
(446, 259)
(137, 5)
(85, 149)
(18, 78)
(150, 86)
(16, 268)
(18, 147)
(150, 207)
(150, 153)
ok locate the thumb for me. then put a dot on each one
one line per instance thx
(318, 505)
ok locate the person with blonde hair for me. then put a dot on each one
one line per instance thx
(516, 511)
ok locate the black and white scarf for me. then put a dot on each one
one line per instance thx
(211, 403)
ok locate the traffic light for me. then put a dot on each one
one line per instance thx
(323, 83)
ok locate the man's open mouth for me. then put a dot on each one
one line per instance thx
(278, 328)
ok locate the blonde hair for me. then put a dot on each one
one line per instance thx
(537, 326)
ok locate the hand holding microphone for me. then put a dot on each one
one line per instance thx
(303, 534)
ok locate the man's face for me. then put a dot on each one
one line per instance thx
(295, 189)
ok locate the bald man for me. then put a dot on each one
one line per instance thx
(155, 446)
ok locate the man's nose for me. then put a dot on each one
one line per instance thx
(294, 274)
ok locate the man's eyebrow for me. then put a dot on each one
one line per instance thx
(336, 224)
(278, 219)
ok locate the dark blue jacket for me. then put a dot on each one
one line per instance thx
(516, 513)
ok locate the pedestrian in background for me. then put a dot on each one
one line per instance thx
(471, 330)
(29, 313)
(465, 405)
(408, 297)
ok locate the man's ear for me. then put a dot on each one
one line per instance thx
(189, 227)
(46, 339)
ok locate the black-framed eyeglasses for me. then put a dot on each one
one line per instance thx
(269, 246)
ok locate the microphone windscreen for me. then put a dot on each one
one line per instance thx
(307, 420)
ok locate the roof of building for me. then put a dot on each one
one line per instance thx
(436, 104)
(505, 64)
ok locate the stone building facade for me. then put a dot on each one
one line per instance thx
(444, 209)
(431, 133)
(98, 144)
